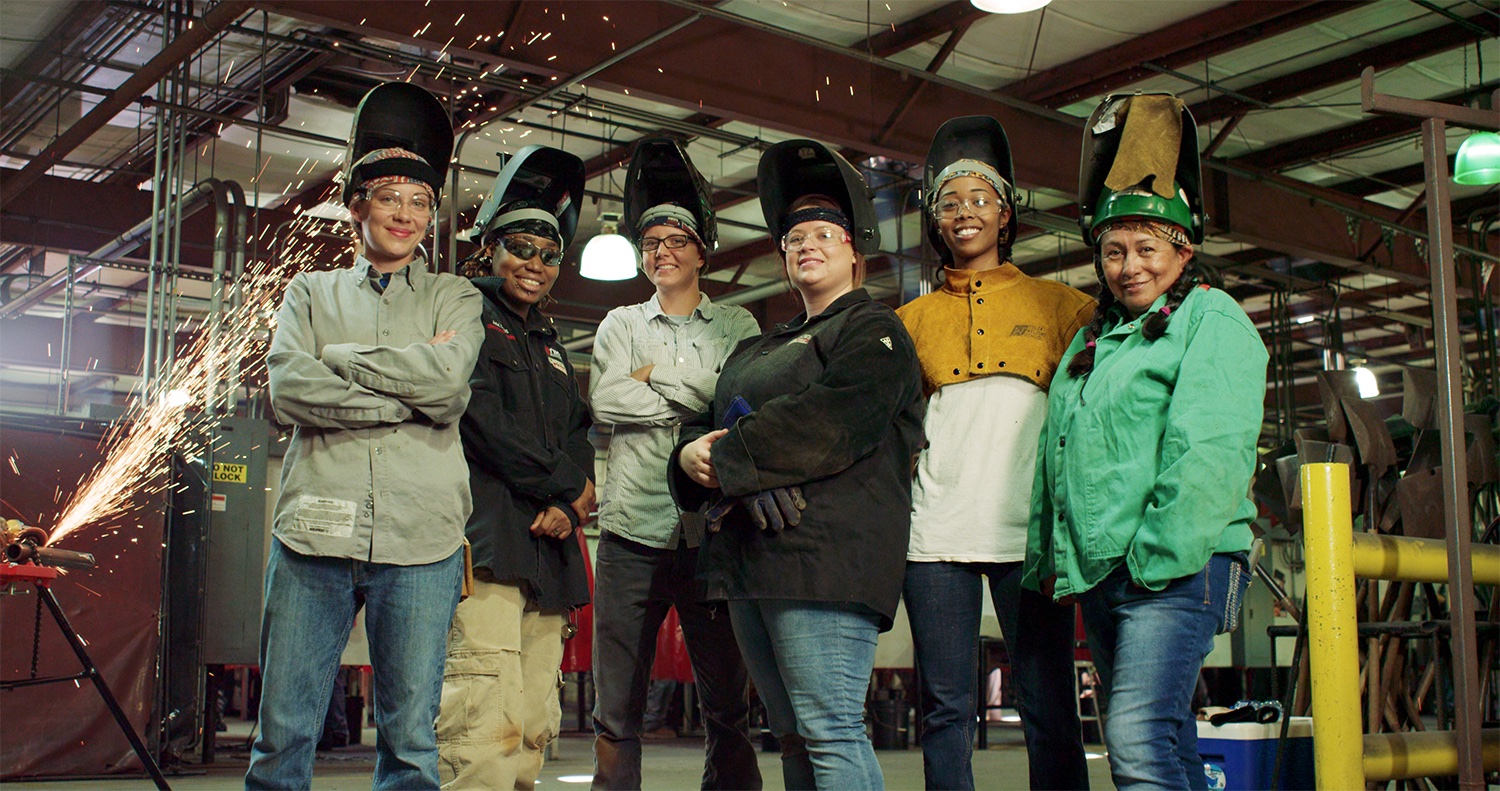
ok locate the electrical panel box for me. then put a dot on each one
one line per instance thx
(236, 541)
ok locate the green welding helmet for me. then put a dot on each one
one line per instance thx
(1136, 202)
(1140, 159)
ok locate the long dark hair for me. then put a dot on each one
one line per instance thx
(1153, 326)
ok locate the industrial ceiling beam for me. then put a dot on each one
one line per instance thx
(841, 96)
(1331, 143)
(1347, 68)
(172, 55)
(920, 29)
(1189, 41)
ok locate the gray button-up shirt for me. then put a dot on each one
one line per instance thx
(636, 503)
(375, 469)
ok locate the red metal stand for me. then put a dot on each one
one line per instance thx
(41, 578)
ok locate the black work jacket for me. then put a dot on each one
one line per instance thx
(525, 436)
(837, 409)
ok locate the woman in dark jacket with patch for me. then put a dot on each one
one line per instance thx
(813, 481)
(531, 470)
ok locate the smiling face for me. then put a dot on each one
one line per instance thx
(1139, 267)
(528, 280)
(972, 233)
(389, 227)
(671, 269)
(821, 271)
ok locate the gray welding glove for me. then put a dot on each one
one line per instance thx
(776, 509)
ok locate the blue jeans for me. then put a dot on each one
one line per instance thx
(811, 663)
(944, 607)
(1149, 647)
(310, 606)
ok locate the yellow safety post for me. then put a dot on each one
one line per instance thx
(1332, 626)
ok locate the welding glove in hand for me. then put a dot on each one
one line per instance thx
(776, 509)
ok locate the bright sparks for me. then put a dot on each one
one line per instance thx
(139, 446)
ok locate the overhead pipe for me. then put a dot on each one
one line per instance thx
(193, 201)
(173, 54)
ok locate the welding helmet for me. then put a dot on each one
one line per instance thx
(794, 168)
(398, 117)
(539, 191)
(1140, 159)
(973, 145)
(662, 184)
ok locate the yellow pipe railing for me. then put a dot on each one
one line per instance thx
(1343, 755)
(1418, 559)
(1403, 756)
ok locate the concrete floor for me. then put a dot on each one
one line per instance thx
(671, 764)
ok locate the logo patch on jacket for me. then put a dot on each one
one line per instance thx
(1028, 330)
(503, 331)
(555, 357)
(802, 339)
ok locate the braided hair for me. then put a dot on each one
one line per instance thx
(1153, 326)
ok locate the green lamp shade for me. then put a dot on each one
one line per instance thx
(1478, 160)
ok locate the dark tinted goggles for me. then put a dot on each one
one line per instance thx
(526, 251)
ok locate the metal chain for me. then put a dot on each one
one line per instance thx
(36, 635)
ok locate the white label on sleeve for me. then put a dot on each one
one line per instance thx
(324, 516)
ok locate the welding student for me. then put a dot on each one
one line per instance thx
(1140, 508)
(531, 469)
(989, 341)
(655, 364)
(370, 364)
(818, 468)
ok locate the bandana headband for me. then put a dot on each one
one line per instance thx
(1165, 231)
(974, 168)
(523, 217)
(385, 166)
(812, 213)
(672, 216)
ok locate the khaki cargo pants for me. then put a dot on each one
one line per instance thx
(500, 689)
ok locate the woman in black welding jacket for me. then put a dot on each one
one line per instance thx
(816, 475)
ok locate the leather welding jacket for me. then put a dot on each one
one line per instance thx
(836, 408)
(525, 436)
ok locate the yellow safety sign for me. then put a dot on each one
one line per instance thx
(231, 473)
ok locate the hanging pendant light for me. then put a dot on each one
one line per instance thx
(608, 256)
(1478, 160)
(1008, 6)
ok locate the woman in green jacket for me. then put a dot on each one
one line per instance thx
(1140, 508)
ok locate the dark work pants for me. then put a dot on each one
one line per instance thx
(634, 587)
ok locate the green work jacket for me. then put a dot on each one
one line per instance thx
(1147, 459)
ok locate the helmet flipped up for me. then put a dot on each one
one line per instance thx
(401, 133)
(540, 191)
(794, 168)
(974, 145)
(663, 187)
(1140, 159)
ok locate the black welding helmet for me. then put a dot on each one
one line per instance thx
(398, 117)
(539, 191)
(973, 145)
(662, 185)
(794, 168)
(1140, 159)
